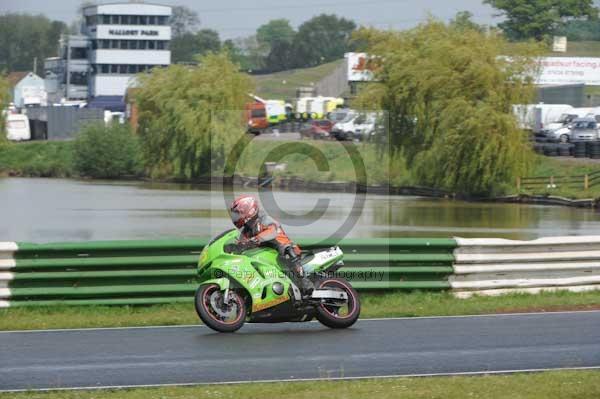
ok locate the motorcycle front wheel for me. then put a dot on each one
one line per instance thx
(215, 312)
(338, 315)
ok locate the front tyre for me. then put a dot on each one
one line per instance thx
(215, 312)
(339, 315)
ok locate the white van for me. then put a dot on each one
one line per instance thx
(17, 127)
(545, 114)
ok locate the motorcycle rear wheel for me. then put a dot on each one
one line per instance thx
(331, 316)
(223, 317)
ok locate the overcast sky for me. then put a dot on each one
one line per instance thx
(236, 18)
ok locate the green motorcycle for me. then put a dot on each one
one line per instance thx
(253, 287)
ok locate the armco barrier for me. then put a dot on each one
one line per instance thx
(164, 271)
(488, 266)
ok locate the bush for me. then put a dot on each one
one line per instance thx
(107, 152)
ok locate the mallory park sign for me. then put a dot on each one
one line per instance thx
(132, 32)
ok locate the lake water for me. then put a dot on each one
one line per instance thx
(50, 210)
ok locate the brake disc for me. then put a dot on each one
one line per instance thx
(220, 308)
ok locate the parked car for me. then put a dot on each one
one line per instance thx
(344, 129)
(585, 129)
(567, 118)
(365, 126)
(318, 129)
(17, 127)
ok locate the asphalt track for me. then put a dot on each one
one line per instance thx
(195, 354)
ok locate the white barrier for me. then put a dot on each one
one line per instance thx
(7, 250)
(497, 266)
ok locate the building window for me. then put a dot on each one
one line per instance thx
(163, 20)
(125, 20)
(123, 44)
(143, 20)
(78, 53)
(115, 20)
(151, 20)
(151, 44)
(105, 68)
(79, 78)
(105, 19)
(132, 45)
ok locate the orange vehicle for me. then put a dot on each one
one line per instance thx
(256, 117)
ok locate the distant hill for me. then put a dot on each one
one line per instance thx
(283, 85)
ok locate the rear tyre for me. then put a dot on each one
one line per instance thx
(220, 316)
(334, 316)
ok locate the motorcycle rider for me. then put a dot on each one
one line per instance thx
(258, 229)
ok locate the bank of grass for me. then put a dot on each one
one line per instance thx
(553, 384)
(394, 304)
(550, 166)
(56, 159)
(37, 159)
(282, 85)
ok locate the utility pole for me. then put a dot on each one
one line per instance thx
(35, 65)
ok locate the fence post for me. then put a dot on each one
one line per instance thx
(551, 181)
(518, 183)
(586, 182)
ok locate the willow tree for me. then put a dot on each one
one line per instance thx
(449, 93)
(186, 111)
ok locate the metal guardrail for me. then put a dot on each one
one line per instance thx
(164, 271)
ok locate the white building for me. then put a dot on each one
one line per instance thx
(118, 41)
(27, 89)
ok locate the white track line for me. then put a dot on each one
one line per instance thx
(314, 321)
(192, 384)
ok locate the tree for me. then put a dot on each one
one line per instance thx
(186, 47)
(274, 32)
(252, 52)
(185, 112)
(277, 37)
(463, 20)
(449, 94)
(183, 20)
(321, 39)
(106, 151)
(537, 19)
(24, 38)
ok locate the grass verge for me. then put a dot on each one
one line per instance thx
(393, 304)
(555, 384)
(282, 85)
(37, 159)
(548, 166)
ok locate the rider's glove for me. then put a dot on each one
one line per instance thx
(241, 246)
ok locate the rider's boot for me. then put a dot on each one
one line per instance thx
(306, 286)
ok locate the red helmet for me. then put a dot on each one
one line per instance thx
(243, 210)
